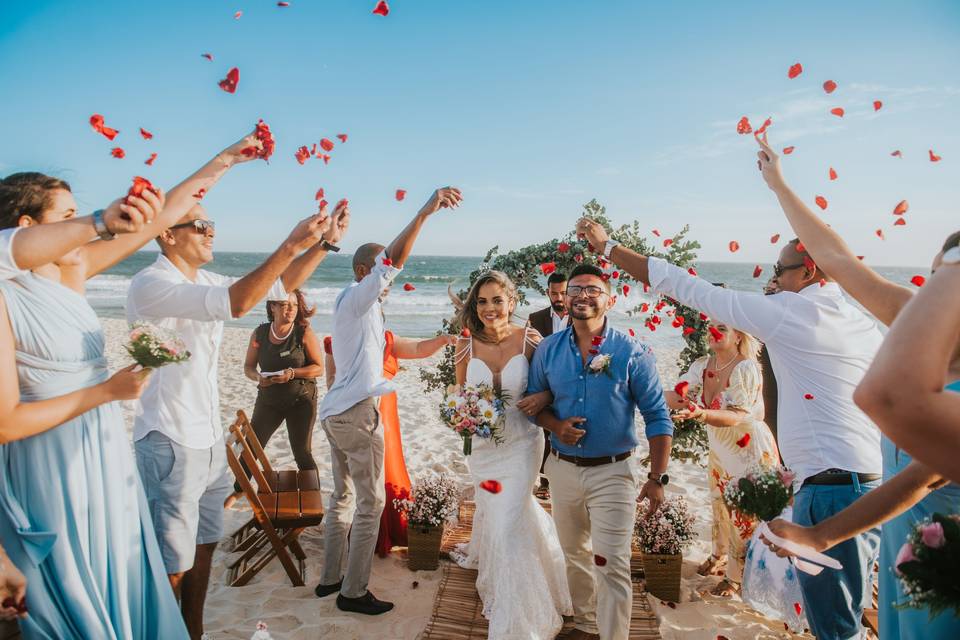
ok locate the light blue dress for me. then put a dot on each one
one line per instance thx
(73, 517)
(911, 624)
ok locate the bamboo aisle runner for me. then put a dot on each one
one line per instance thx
(458, 611)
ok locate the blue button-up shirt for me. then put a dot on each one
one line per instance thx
(605, 399)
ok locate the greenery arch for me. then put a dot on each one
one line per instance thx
(528, 266)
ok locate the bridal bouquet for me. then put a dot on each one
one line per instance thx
(474, 410)
(435, 500)
(668, 531)
(153, 347)
(762, 493)
(928, 565)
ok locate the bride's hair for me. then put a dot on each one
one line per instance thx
(468, 312)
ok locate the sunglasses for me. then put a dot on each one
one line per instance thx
(200, 226)
(778, 268)
(590, 291)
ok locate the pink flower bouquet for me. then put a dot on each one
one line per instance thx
(474, 410)
(764, 492)
(152, 347)
(928, 565)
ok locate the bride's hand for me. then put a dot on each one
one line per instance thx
(533, 403)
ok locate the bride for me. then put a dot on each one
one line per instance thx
(521, 575)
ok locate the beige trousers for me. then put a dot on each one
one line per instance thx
(356, 446)
(594, 510)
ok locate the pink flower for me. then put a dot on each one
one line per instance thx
(786, 477)
(932, 535)
(904, 555)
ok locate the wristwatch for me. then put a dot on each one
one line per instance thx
(661, 479)
(607, 248)
(329, 246)
(101, 227)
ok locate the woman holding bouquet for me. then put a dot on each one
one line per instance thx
(521, 572)
(724, 391)
(81, 534)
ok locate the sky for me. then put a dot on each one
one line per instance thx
(532, 108)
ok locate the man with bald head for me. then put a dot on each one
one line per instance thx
(177, 432)
(350, 417)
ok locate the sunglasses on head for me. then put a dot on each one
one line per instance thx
(200, 226)
(778, 268)
(589, 291)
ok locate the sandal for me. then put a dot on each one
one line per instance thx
(713, 566)
(725, 589)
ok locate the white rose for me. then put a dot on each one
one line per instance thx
(599, 362)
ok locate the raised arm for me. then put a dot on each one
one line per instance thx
(915, 411)
(303, 267)
(882, 298)
(399, 250)
(102, 255)
(408, 349)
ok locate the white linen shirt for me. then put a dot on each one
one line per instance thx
(182, 400)
(8, 266)
(559, 324)
(358, 342)
(819, 344)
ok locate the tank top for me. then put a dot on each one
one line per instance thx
(289, 354)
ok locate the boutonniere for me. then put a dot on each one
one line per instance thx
(599, 362)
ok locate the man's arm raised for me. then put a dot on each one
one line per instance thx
(399, 250)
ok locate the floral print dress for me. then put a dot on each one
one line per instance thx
(732, 451)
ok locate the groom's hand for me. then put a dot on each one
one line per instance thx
(567, 432)
(653, 492)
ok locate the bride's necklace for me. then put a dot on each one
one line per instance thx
(717, 369)
(279, 338)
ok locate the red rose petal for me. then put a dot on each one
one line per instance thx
(400, 194)
(763, 127)
(319, 195)
(493, 486)
(788, 150)
(829, 86)
(199, 194)
(149, 161)
(821, 202)
(237, 15)
(823, 282)
(734, 246)
(688, 330)
(342, 137)
(465, 333)
(616, 274)
(877, 105)
(800, 247)
(896, 154)
(208, 56)
(631, 332)
(716, 334)
(797, 607)
(795, 70)
(596, 341)
(626, 289)
(743, 126)
(704, 317)
(656, 233)
(388, 262)
(934, 157)
(97, 123)
(322, 204)
(326, 144)
(563, 247)
(302, 154)
(283, 4)
(146, 134)
(117, 152)
(902, 207)
(775, 238)
(837, 111)
(139, 186)
(229, 84)
(263, 134)
(757, 270)
(832, 174)
(879, 234)
(744, 441)
(548, 267)
(900, 222)
(808, 396)
(408, 287)
(918, 281)
(325, 158)
(382, 8)
(600, 561)
(681, 388)
(667, 242)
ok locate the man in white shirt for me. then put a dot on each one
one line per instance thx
(177, 432)
(820, 347)
(351, 419)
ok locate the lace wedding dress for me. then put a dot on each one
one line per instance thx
(514, 546)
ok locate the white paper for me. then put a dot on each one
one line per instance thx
(802, 552)
(271, 374)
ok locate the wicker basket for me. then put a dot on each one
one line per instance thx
(423, 551)
(662, 574)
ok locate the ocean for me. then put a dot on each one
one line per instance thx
(417, 313)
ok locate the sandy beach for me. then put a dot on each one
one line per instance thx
(295, 613)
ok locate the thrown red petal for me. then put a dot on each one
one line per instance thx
(667, 242)
(901, 208)
(644, 307)
(263, 134)
(837, 111)
(208, 56)
(146, 134)
(596, 341)
(493, 486)
(229, 84)
(734, 246)
(302, 154)
(626, 289)
(877, 105)
(744, 441)
(237, 15)
(322, 204)
(934, 157)
(149, 161)
(616, 274)
(319, 195)
(599, 560)
(788, 150)
(832, 174)
(896, 154)
(548, 267)
(631, 332)
(879, 233)
(139, 186)
(763, 127)
(382, 8)
(283, 4)
(342, 137)
(326, 144)
(199, 194)
(117, 152)
(797, 607)
(97, 122)
(387, 262)
(325, 158)
(408, 287)
(900, 222)
(681, 388)
(775, 238)
(693, 271)
(743, 126)
(757, 270)
(829, 86)
(400, 194)
(656, 233)
(795, 70)
(800, 247)
(716, 334)
(823, 282)
(821, 202)
(808, 396)
(918, 281)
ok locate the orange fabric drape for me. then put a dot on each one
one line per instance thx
(393, 524)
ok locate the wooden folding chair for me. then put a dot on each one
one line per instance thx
(284, 504)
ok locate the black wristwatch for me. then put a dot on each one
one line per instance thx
(329, 246)
(661, 479)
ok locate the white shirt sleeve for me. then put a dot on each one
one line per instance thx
(358, 300)
(754, 313)
(276, 292)
(152, 297)
(8, 266)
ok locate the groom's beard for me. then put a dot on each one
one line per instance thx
(590, 309)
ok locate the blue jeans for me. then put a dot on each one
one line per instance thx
(834, 600)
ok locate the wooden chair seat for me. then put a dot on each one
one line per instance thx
(288, 509)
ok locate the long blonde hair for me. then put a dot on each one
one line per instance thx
(749, 347)
(467, 314)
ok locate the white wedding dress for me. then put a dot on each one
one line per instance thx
(521, 571)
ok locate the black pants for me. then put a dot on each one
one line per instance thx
(297, 406)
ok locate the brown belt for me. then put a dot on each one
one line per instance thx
(591, 462)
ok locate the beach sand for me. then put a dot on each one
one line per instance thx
(296, 613)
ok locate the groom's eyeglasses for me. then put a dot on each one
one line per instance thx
(203, 227)
(778, 268)
(591, 291)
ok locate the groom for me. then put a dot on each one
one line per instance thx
(598, 375)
